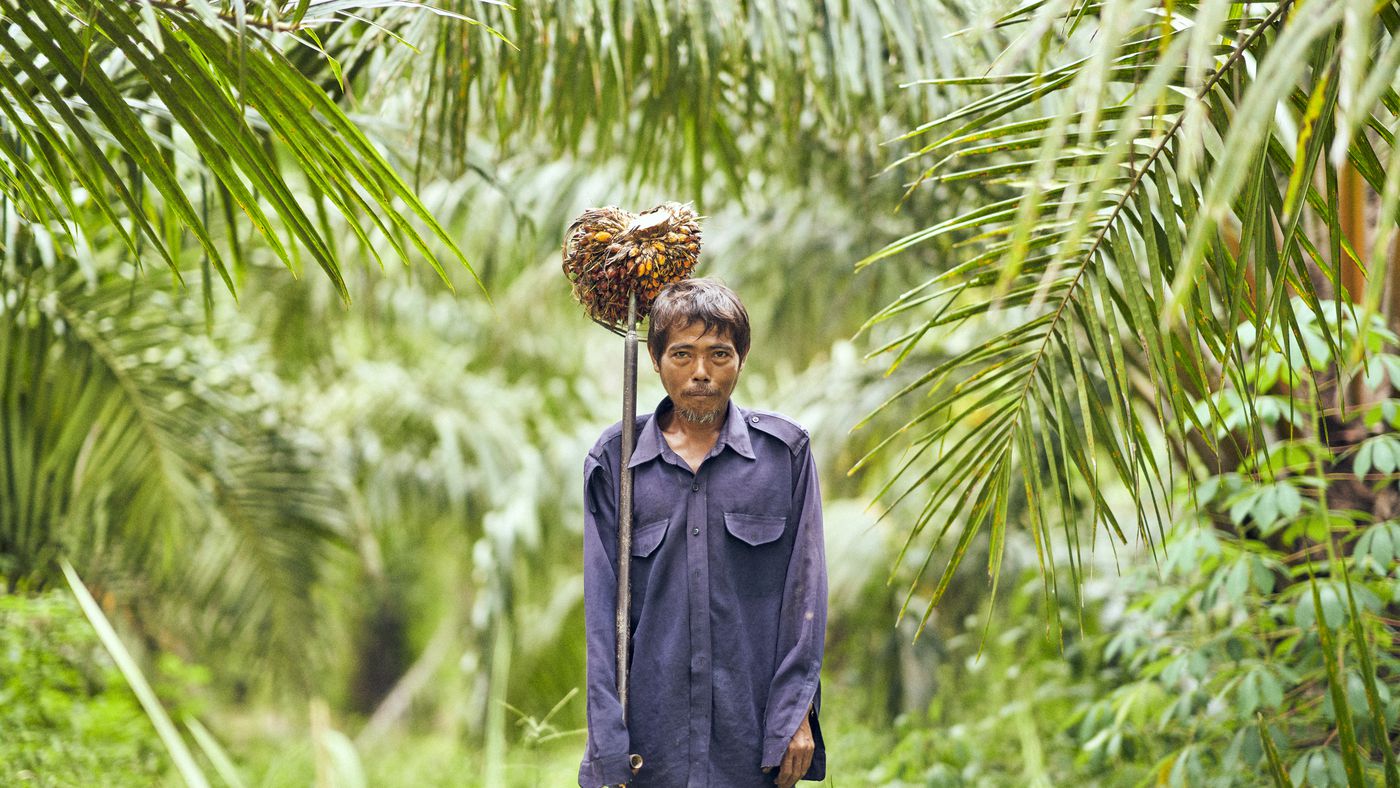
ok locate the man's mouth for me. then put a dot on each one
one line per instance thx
(701, 392)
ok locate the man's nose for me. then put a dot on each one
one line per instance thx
(701, 371)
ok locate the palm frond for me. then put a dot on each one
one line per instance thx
(130, 452)
(674, 87)
(153, 120)
(1155, 191)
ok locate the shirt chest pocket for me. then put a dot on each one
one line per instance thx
(757, 560)
(755, 529)
(646, 538)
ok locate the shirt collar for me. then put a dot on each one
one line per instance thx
(651, 443)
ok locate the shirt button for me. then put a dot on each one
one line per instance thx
(695, 532)
(695, 488)
(753, 419)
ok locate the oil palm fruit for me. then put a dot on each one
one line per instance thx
(609, 252)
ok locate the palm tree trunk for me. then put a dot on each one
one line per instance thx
(1352, 212)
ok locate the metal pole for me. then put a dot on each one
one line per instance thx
(624, 502)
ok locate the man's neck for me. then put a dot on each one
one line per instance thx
(690, 439)
(673, 421)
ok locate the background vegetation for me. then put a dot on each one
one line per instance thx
(1095, 300)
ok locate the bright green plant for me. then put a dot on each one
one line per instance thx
(1266, 622)
(66, 711)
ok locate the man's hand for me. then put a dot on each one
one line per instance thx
(798, 756)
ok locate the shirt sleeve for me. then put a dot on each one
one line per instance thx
(802, 622)
(605, 759)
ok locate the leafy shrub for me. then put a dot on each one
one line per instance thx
(1265, 619)
(66, 715)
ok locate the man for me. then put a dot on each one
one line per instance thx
(728, 575)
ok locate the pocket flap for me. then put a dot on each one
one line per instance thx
(755, 529)
(646, 538)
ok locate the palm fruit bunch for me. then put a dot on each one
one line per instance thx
(609, 252)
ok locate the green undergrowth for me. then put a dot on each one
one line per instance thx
(67, 718)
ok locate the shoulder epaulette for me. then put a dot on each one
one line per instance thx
(613, 435)
(791, 433)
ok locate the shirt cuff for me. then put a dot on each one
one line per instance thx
(606, 770)
(773, 752)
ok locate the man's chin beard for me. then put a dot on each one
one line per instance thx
(699, 417)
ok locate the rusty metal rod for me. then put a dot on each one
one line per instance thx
(624, 502)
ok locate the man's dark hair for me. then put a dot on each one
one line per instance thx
(706, 301)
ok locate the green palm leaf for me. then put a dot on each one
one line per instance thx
(674, 86)
(138, 103)
(1111, 271)
(130, 452)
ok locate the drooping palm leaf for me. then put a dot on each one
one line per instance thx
(170, 735)
(136, 450)
(1156, 188)
(676, 87)
(155, 119)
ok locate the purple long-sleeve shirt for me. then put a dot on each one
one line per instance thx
(728, 606)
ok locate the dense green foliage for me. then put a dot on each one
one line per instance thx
(1179, 662)
(66, 712)
(1133, 464)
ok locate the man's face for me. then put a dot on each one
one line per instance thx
(699, 370)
